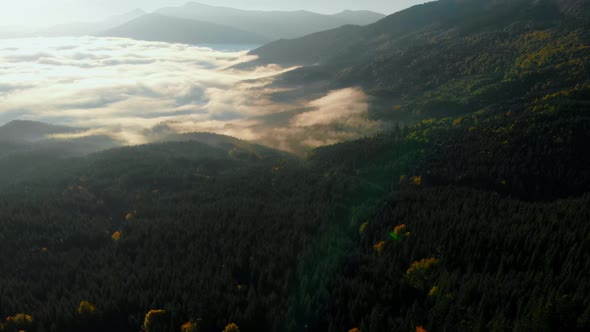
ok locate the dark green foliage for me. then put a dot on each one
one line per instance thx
(493, 191)
(223, 232)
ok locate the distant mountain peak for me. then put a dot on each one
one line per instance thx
(352, 13)
(160, 27)
(91, 28)
(273, 24)
(137, 11)
(199, 4)
(23, 123)
(29, 131)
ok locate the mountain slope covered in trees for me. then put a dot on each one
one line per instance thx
(446, 57)
(420, 226)
(470, 218)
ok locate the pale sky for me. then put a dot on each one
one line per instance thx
(37, 13)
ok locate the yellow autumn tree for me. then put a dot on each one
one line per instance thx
(421, 273)
(433, 291)
(363, 227)
(19, 319)
(411, 181)
(399, 229)
(189, 327)
(422, 264)
(86, 308)
(417, 180)
(18, 322)
(231, 327)
(155, 321)
(379, 247)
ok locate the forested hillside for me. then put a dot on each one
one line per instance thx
(474, 217)
(471, 223)
(446, 58)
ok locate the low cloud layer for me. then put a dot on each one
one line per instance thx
(124, 88)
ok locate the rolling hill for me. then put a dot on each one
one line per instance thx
(27, 147)
(31, 131)
(156, 27)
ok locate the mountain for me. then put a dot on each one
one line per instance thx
(82, 29)
(445, 18)
(472, 217)
(447, 57)
(358, 17)
(223, 25)
(271, 24)
(31, 131)
(156, 27)
(27, 147)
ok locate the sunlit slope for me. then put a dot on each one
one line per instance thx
(447, 57)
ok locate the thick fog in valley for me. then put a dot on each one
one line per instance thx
(123, 88)
(142, 76)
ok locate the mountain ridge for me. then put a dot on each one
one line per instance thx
(30, 131)
(266, 25)
(91, 28)
(273, 24)
(156, 27)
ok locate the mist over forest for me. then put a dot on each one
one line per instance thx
(250, 167)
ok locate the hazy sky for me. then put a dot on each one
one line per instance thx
(47, 12)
